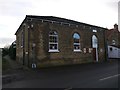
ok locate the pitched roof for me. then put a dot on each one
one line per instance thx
(111, 32)
(57, 19)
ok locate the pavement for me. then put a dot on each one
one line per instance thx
(94, 75)
(16, 71)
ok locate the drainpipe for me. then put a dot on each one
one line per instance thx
(23, 45)
(33, 55)
(106, 46)
(106, 50)
(33, 50)
(28, 43)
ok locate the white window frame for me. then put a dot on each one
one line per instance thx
(53, 50)
(94, 41)
(94, 30)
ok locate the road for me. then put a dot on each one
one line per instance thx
(98, 75)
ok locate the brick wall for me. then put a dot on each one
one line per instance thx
(37, 33)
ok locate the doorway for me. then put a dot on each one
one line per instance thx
(95, 48)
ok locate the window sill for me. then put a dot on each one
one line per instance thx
(77, 50)
(53, 51)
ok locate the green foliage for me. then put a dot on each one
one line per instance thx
(12, 51)
(5, 51)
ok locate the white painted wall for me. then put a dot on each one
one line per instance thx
(114, 53)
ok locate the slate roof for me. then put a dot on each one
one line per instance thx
(58, 19)
(117, 46)
(111, 32)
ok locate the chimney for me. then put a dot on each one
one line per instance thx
(115, 27)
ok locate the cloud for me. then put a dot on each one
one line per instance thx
(119, 15)
(113, 5)
(97, 12)
(14, 7)
(9, 25)
(6, 41)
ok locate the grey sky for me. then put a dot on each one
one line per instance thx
(102, 13)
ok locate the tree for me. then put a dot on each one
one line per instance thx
(5, 51)
(12, 51)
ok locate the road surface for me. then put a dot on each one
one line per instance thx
(98, 75)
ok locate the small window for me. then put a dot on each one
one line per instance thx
(76, 38)
(94, 30)
(53, 41)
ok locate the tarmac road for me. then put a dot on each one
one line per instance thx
(97, 75)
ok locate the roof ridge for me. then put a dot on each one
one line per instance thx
(60, 19)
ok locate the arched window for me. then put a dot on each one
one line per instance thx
(53, 41)
(94, 41)
(95, 46)
(76, 38)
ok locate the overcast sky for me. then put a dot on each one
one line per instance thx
(102, 13)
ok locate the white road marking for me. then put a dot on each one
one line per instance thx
(109, 77)
(68, 88)
(3, 76)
